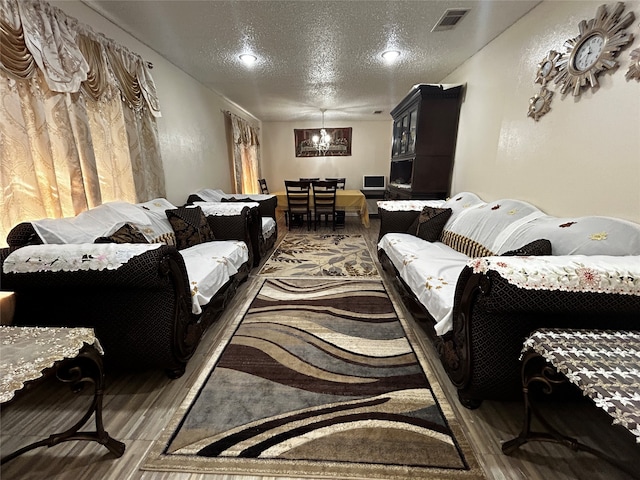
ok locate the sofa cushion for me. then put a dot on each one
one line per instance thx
(125, 234)
(592, 235)
(431, 271)
(159, 229)
(430, 222)
(190, 226)
(209, 266)
(482, 229)
(85, 227)
(537, 247)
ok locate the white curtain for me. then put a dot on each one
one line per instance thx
(77, 118)
(246, 155)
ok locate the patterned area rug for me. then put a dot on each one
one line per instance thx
(319, 379)
(316, 255)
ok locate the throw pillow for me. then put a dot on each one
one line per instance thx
(431, 221)
(125, 234)
(537, 247)
(190, 226)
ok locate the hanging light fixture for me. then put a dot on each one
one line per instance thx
(322, 142)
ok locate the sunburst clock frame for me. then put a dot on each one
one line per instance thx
(540, 103)
(594, 49)
(634, 66)
(548, 67)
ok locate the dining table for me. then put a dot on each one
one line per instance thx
(347, 200)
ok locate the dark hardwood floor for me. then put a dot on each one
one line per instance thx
(138, 406)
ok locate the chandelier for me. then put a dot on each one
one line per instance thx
(322, 142)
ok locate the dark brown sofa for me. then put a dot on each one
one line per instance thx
(491, 313)
(142, 312)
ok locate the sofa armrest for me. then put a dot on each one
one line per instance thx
(493, 316)
(141, 311)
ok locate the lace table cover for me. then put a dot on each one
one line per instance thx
(25, 352)
(605, 365)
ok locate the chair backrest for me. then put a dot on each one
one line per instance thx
(297, 196)
(263, 186)
(341, 182)
(324, 195)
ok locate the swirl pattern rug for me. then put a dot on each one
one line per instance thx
(318, 379)
(320, 255)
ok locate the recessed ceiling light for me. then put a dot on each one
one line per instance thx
(248, 59)
(390, 55)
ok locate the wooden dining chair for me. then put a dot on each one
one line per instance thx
(324, 201)
(298, 205)
(340, 213)
(263, 186)
(341, 182)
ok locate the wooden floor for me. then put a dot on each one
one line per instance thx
(138, 406)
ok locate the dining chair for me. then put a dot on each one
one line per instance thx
(340, 213)
(324, 201)
(341, 182)
(297, 202)
(263, 186)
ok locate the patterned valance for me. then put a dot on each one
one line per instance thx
(37, 36)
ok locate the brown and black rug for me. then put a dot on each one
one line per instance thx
(320, 255)
(317, 379)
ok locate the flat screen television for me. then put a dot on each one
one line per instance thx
(374, 182)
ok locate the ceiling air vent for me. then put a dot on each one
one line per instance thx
(450, 18)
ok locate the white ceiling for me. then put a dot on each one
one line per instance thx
(312, 54)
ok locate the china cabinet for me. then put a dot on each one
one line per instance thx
(425, 127)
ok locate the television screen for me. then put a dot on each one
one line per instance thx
(373, 182)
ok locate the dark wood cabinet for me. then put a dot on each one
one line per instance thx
(425, 127)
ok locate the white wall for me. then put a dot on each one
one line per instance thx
(581, 158)
(191, 130)
(370, 153)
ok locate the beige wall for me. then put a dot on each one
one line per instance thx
(370, 153)
(583, 157)
(191, 130)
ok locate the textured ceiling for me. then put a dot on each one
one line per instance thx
(312, 55)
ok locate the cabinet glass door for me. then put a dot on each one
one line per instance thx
(413, 124)
(395, 147)
(404, 139)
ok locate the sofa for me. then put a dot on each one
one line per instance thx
(263, 224)
(480, 276)
(148, 277)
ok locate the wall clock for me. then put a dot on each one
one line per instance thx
(594, 49)
(548, 67)
(540, 103)
(634, 67)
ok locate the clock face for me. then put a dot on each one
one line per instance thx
(588, 52)
(594, 50)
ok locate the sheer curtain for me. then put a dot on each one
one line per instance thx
(77, 118)
(246, 155)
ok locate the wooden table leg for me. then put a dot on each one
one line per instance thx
(77, 372)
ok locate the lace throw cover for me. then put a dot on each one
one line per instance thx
(28, 351)
(73, 257)
(225, 209)
(579, 273)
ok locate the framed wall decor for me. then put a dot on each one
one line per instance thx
(307, 143)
